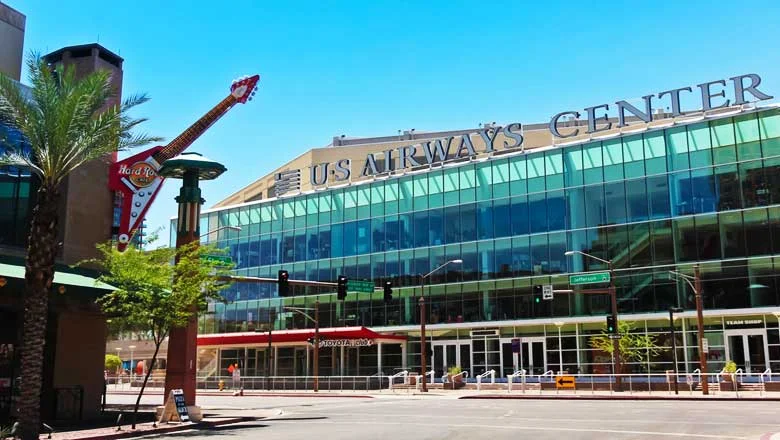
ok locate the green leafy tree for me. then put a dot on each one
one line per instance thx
(113, 362)
(635, 347)
(154, 295)
(67, 123)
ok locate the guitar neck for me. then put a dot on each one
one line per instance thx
(191, 134)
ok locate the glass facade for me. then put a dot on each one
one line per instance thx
(15, 193)
(705, 192)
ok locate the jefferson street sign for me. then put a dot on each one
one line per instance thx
(222, 259)
(360, 286)
(589, 278)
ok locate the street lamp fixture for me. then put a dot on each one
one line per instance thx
(423, 348)
(613, 297)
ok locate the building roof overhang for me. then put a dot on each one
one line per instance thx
(293, 336)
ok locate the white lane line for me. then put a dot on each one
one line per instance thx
(552, 420)
(531, 428)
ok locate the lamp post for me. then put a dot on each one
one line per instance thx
(231, 228)
(182, 341)
(423, 348)
(316, 320)
(696, 286)
(559, 324)
(613, 298)
(672, 311)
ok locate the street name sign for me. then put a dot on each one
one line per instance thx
(615, 336)
(221, 259)
(564, 382)
(360, 286)
(589, 278)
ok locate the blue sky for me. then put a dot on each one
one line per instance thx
(371, 68)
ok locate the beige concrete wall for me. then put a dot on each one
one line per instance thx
(12, 25)
(533, 138)
(81, 339)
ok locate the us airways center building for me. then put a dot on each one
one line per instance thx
(683, 177)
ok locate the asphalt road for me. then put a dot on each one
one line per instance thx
(444, 417)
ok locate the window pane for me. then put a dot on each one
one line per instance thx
(655, 153)
(677, 148)
(573, 166)
(612, 151)
(633, 156)
(700, 145)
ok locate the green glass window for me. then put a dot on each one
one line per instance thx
(518, 175)
(312, 211)
(593, 163)
(377, 199)
(553, 169)
(405, 194)
(535, 172)
(420, 192)
(243, 216)
(300, 212)
(700, 145)
(769, 125)
(722, 137)
(634, 156)
(324, 202)
(337, 213)
(451, 187)
(435, 189)
(391, 196)
(363, 201)
(500, 174)
(612, 151)
(572, 165)
(484, 181)
(655, 153)
(746, 130)
(468, 183)
(265, 219)
(677, 148)
(254, 215)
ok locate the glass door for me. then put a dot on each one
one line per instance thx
(748, 349)
(531, 358)
(447, 354)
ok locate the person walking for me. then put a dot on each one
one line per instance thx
(236, 377)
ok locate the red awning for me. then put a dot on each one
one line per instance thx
(303, 335)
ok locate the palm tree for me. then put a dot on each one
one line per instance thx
(67, 123)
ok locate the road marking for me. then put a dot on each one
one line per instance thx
(532, 428)
(549, 419)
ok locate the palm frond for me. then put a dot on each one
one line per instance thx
(69, 121)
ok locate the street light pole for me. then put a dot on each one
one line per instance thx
(672, 310)
(559, 324)
(616, 361)
(316, 346)
(423, 348)
(705, 385)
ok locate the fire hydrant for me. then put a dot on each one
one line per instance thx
(221, 385)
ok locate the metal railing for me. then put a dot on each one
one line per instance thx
(511, 380)
(766, 373)
(418, 379)
(391, 379)
(491, 373)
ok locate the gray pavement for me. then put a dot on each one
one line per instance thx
(444, 416)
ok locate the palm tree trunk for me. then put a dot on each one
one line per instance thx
(146, 379)
(39, 273)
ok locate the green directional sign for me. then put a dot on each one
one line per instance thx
(589, 278)
(360, 286)
(222, 259)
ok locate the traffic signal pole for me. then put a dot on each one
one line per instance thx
(316, 345)
(616, 368)
(705, 386)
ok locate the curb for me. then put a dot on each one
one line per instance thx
(182, 427)
(658, 398)
(307, 394)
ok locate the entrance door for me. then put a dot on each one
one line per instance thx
(748, 349)
(448, 354)
(531, 358)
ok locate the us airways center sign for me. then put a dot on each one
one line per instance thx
(711, 95)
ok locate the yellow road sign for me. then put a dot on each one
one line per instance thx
(564, 382)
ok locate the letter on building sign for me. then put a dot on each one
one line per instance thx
(674, 94)
(707, 95)
(740, 89)
(554, 125)
(513, 131)
(592, 118)
(407, 153)
(438, 149)
(646, 116)
(465, 143)
(388, 161)
(487, 139)
(342, 166)
(369, 168)
(320, 170)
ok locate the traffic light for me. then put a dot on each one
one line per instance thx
(611, 325)
(284, 285)
(538, 294)
(341, 288)
(388, 291)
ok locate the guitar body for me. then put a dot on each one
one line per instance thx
(135, 180)
(136, 183)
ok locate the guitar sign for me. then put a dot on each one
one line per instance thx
(135, 180)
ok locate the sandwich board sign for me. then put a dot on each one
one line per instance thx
(175, 409)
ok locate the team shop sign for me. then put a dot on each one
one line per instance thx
(364, 342)
(712, 96)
